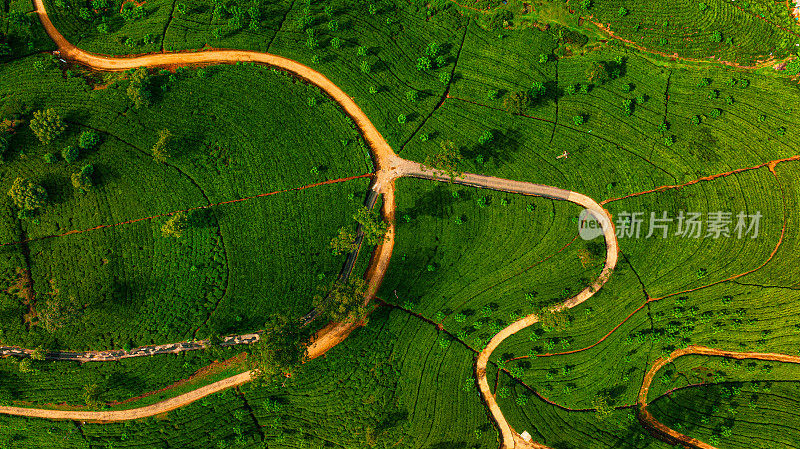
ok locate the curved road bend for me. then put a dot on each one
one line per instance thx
(510, 438)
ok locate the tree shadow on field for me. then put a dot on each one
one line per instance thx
(412, 266)
(380, 66)
(436, 203)
(552, 91)
(392, 419)
(103, 174)
(12, 386)
(205, 218)
(59, 188)
(613, 393)
(124, 381)
(499, 150)
(122, 292)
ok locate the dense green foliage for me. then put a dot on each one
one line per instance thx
(127, 285)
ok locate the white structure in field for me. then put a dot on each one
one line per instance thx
(526, 436)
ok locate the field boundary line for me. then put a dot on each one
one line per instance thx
(770, 164)
(191, 209)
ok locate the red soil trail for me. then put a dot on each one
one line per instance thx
(771, 165)
(191, 209)
(674, 437)
(607, 30)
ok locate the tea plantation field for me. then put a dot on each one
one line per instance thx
(237, 262)
(663, 110)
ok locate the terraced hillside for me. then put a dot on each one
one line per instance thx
(485, 313)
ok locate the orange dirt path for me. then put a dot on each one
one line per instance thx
(673, 436)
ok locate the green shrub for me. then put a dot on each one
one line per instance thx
(88, 140)
(82, 180)
(70, 154)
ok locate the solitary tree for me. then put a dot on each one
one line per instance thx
(88, 140)
(138, 88)
(70, 154)
(175, 226)
(446, 159)
(537, 90)
(91, 395)
(47, 125)
(57, 311)
(26, 366)
(37, 354)
(516, 102)
(372, 225)
(281, 351)
(602, 408)
(341, 301)
(27, 195)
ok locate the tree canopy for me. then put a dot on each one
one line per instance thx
(175, 226)
(161, 148)
(516, 102)
(281, 351)
(342, 301)
(27, 195)
(344, 242)
(446, 159)
(597, 73)
(372, 225)
(47, 125)
(138, 88)
(82, 180)
(88, 140)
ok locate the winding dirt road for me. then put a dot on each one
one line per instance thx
(510, 438)
(389, 167)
